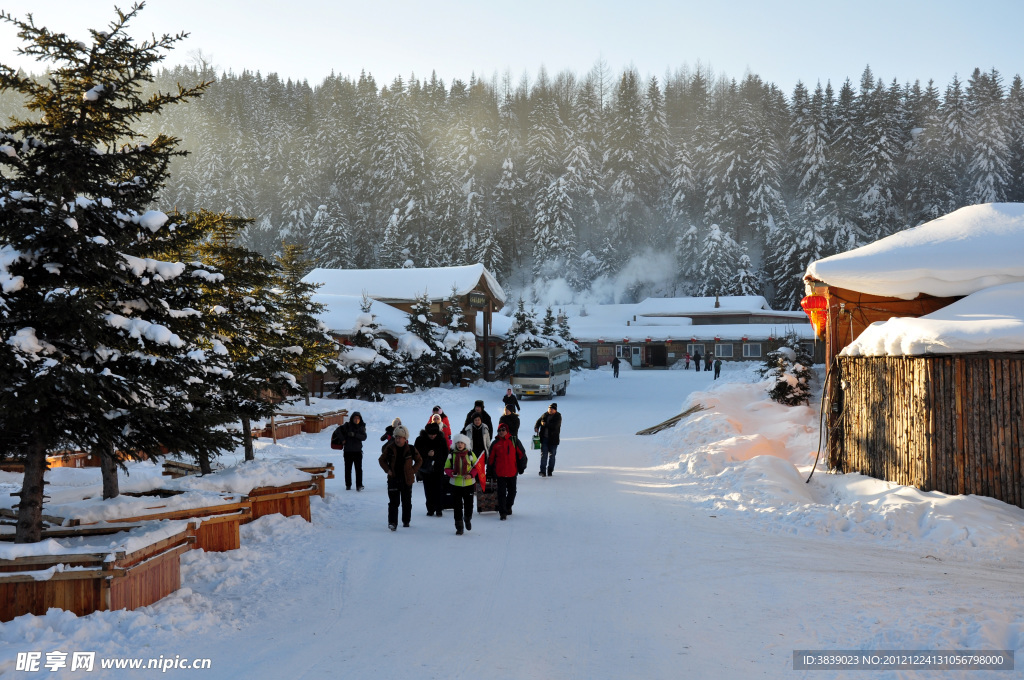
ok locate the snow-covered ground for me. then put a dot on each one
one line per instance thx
(698, 552)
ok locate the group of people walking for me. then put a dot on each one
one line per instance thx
(445, 463)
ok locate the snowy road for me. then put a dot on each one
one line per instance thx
(613, 568)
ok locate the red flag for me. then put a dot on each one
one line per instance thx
(480, 471)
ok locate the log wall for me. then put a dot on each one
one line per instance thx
(939, 423)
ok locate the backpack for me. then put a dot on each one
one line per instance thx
(338, 438)
(520, 457)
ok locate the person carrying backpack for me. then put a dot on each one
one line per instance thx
(459, 468)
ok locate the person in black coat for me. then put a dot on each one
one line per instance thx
(510, 401)
(484, 416)
(354, 432)
(696, 359)
(510, 420)
(433, 446)
(548, 428)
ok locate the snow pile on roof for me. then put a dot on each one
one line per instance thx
(727, 304)
(405, 284)
(342, 314)
(991, 320)
(960, 253)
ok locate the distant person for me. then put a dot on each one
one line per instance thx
(510, 401)
(548, 428)
(707, 361)
(459, 469)
(446, 426)
(696, 359)
(686, 358)
(433, 447)
(354, 434)
(615, 367)
(504, 462)
(479, 408)
(718, 368)
(401, 462)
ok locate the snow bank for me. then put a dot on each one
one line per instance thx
(750, 457)
(957, 254)
(991, 320)
(243, 477)
(128, 542)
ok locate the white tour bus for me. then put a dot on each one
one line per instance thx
(541, 372)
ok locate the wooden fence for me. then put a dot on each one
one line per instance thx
(939, 423)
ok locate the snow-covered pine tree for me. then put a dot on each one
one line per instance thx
(788, 369)
(548, 324)
(881, 142)
(554, 234)
(567, 341)
(1015, 138)
(462, 361)
(246, 319)
(627, 166)
(421, 346)
(370, 368)
(331, 238)
(718, 259)
(97, 349)
(522, 336)
(932, 190)
(748, 279)
(309, 348)
(688, 249)
(988, 168)
(956, 135)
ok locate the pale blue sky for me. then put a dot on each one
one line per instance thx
(809, 40)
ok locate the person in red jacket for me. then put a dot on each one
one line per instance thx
(504, 457)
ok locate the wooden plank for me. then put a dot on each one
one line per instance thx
(77, 575)
(70, 558)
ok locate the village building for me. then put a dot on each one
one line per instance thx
(658, 332)
(924, 332)
(396, 290)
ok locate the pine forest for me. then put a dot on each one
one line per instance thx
(572, 176)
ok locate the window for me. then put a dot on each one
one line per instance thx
(694, 348)
(752, 349)
(622, 351)
(532, 367)
(723, 351)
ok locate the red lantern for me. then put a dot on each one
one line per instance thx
(816, 307)
(625, 341)
(647, 339)
(600, 341)
(743, 339)
(717, 339)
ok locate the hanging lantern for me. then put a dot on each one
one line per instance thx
(717, 339)
(744, 339)
(600, 341)
(816, 307)
(647, 339)
(625, 341)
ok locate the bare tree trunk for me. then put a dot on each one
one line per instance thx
(108, 469)
(247, 439)
(30, 509)
(204, 462)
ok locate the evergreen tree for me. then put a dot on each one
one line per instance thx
(522, 336)
(309, 348)
(422, 346)
(988, 168)
(567, 341)
(331, 239)
(788, 370)
(554, 234)
(462, 360)
(1015, 137)
(370, 368)
(627, 166)
(98, 344)
(718, 259)
(547, 328)
(248, 324)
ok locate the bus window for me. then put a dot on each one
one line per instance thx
(532, 367)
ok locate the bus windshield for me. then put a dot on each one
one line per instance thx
(532, 367)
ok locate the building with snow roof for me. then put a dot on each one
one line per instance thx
(657, 332)
(924, 333)
(476, 290)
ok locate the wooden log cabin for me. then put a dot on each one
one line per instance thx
(924, 334)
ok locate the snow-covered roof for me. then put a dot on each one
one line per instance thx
(405, 284)
(727, 304)
(991, 320)
(342, 312)
(958, 254)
